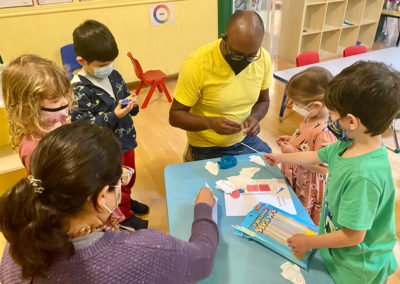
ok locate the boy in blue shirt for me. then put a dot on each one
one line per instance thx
(98, 88)
(356, 231)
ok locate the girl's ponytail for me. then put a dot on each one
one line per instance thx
(25, 220)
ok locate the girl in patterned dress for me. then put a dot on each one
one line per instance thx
(306, 93)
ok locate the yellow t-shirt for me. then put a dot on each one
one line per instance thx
(208, 85)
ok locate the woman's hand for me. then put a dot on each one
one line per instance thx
(206, 196)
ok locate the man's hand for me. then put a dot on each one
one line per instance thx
(287, 147)
(121, 112)
(224, 126)
(251, 126)
(299, 244)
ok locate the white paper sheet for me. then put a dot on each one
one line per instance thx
(239, 203)
(257, 159)
(213, 168)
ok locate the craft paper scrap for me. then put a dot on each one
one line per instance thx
(257, 159)
(242, 193)
(292, 273)
(225, 186)
(215, 211)
(213, 168)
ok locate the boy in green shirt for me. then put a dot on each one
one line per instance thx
(356, 232)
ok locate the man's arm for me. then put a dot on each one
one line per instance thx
(251, 124)
(261, 107)
(179, 116)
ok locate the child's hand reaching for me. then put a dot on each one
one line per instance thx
(287, 148)
(284, 138)
(121, 112)
(299, 244)
(272, 159)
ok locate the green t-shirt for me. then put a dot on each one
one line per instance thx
(359, 195)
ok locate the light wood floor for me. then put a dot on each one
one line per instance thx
(160, 145)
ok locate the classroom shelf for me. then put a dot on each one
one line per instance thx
(318, 25)
(329, 28)
(354, 11)
(348, 38)
(314, 18)
(330, 43)
(372, 11)
(363, 35)
(310, 42)
(335, 14)
(315, 2)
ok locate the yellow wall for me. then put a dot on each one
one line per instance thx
(157, 47)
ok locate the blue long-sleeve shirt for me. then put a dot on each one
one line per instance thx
(95, 105)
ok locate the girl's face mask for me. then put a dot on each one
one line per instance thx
(339, 133)
(301, 111)
(55, 117)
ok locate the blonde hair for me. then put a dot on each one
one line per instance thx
(309, 85)
(26, 82)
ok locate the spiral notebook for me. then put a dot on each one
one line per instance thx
(271, 227)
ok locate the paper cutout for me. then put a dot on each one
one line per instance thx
(226, 186)
(257, 159)
(215, 211)
(263, 191)
(213, 168)
(292, 273)
(235, 194)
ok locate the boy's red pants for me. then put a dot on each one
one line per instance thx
(127, 159)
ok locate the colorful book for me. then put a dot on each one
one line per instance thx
(272, 227)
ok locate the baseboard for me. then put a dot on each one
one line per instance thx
(133, 85)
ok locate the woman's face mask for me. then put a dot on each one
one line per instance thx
(117, 199)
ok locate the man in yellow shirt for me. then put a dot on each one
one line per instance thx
(222, 91)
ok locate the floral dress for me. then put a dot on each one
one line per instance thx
(309, 185)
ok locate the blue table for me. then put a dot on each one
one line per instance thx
(238, 260)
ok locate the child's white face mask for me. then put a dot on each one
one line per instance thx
(301, 111)
(103, 72)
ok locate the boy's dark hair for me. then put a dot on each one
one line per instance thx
(94, 41)
(368, 90)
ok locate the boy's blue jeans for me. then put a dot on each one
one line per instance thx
(203, 153)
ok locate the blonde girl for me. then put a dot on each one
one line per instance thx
(306, 92)
(37, 96)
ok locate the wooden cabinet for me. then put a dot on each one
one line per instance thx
(327, 26)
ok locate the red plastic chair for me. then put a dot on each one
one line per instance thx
(353, 50)
(307, 58)
(154, 78)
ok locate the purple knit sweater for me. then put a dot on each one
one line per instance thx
(145, 256)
